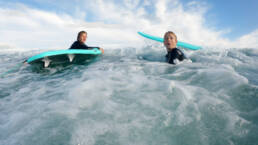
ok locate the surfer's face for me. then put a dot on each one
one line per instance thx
(83, 38)
(170, 41)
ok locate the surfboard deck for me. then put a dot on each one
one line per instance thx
(179, 43)
(51, 58)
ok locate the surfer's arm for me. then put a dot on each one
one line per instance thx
(92, 47)
(101, 49)
(181, 55)
(25, 62)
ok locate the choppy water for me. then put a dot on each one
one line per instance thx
(131, 97)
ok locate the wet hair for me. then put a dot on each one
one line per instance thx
(80, 33)
(170, 32)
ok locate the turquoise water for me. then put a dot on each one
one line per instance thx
(131, 96)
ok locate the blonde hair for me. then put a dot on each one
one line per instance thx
(170, 32)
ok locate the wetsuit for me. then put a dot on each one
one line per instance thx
(78, 45)
(175, 54)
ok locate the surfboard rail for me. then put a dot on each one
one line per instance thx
(94, 51)
(47, 57)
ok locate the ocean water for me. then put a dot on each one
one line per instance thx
(130, 96)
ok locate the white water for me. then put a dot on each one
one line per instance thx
(131, 96)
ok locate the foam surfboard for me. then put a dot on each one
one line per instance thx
(179, 43)
(63, 56)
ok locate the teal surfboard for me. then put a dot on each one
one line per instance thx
(179, 43)
(63, 56)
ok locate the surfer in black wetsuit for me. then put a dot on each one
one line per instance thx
(80, 43)
(174, 54)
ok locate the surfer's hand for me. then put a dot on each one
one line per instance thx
(102, 50)
(25, 62)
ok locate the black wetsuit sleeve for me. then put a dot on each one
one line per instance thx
(175, 54)
(93, 47)
(181, 55)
